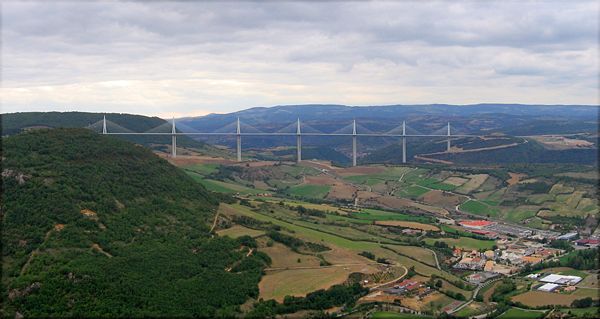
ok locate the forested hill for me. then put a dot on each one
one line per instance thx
(14, 123)
(96, 226)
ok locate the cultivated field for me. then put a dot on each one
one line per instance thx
(299, 282)
(236, 231)
(404, 224)
(541, 298)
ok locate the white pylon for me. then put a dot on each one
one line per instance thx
(403, 141)
(104, 125)
(298, 143)
(448, 145)
(239, 141)
(354, 143)
(173, 140)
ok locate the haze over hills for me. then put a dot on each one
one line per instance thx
(511, 120)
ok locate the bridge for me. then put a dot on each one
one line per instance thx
(352, 131)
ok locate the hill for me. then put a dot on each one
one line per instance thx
(14, 123)
(506, 121)
(93, 225)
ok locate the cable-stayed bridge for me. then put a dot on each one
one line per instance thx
(240, 129)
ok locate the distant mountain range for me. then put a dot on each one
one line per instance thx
(480, 119)
(512, 119)
(508, 120)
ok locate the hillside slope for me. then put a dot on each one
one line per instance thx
(14, 123)
(93, 225)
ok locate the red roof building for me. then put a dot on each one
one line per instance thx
(477, 224)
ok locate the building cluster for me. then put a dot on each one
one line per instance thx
(556, 282)
(495, 230)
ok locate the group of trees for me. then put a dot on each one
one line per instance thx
(335, 296)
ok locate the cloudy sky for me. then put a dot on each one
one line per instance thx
(183, 58)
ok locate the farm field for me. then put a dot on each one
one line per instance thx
(517, 313)
(479, 208)
(474, 308)
(405, 224)
(580, 312)
(236, 231)
(284, 257)
(299, 282)
(310, 190)
(541, 298)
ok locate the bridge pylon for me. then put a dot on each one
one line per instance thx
(298, 143)
(239, 141)
(404, 142)
(354, 143)
(173, 140)
(448, 141)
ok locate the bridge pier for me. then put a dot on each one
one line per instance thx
(104, 125)
(403, 142)
(354, 143)
(239, 141)
(173, 140)
(298, 143)
(448, 141)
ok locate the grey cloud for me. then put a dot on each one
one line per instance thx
(267, 51)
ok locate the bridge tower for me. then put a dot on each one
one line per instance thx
(298, 143)
(403, 141)
(104, 125)
(239, 141)
(173, 140)
(354, 143)
(448, 141)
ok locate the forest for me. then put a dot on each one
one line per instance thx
(93, 225)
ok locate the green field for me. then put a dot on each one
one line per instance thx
(223, 187)
(203, 169)
(518, 215)
(479, 208)
(396, 315)
(376, 214)
(517, 313)
(309, 190)
(435, 184)
(413, 191)
(463, 242)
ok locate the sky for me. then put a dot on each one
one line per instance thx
(188, 58)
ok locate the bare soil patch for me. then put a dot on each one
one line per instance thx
(320, 180)
(342, 192)
(439, 198)
(515, 178)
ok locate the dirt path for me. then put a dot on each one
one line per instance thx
(214, 224)
(34, 253)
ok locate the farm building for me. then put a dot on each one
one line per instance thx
(475, 224)
(476, 263)
(561, 280)
(548, 287)
(567, 236)
(533, 276)
(590, 242)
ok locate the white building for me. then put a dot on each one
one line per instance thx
(561, 280)
(548, 287)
